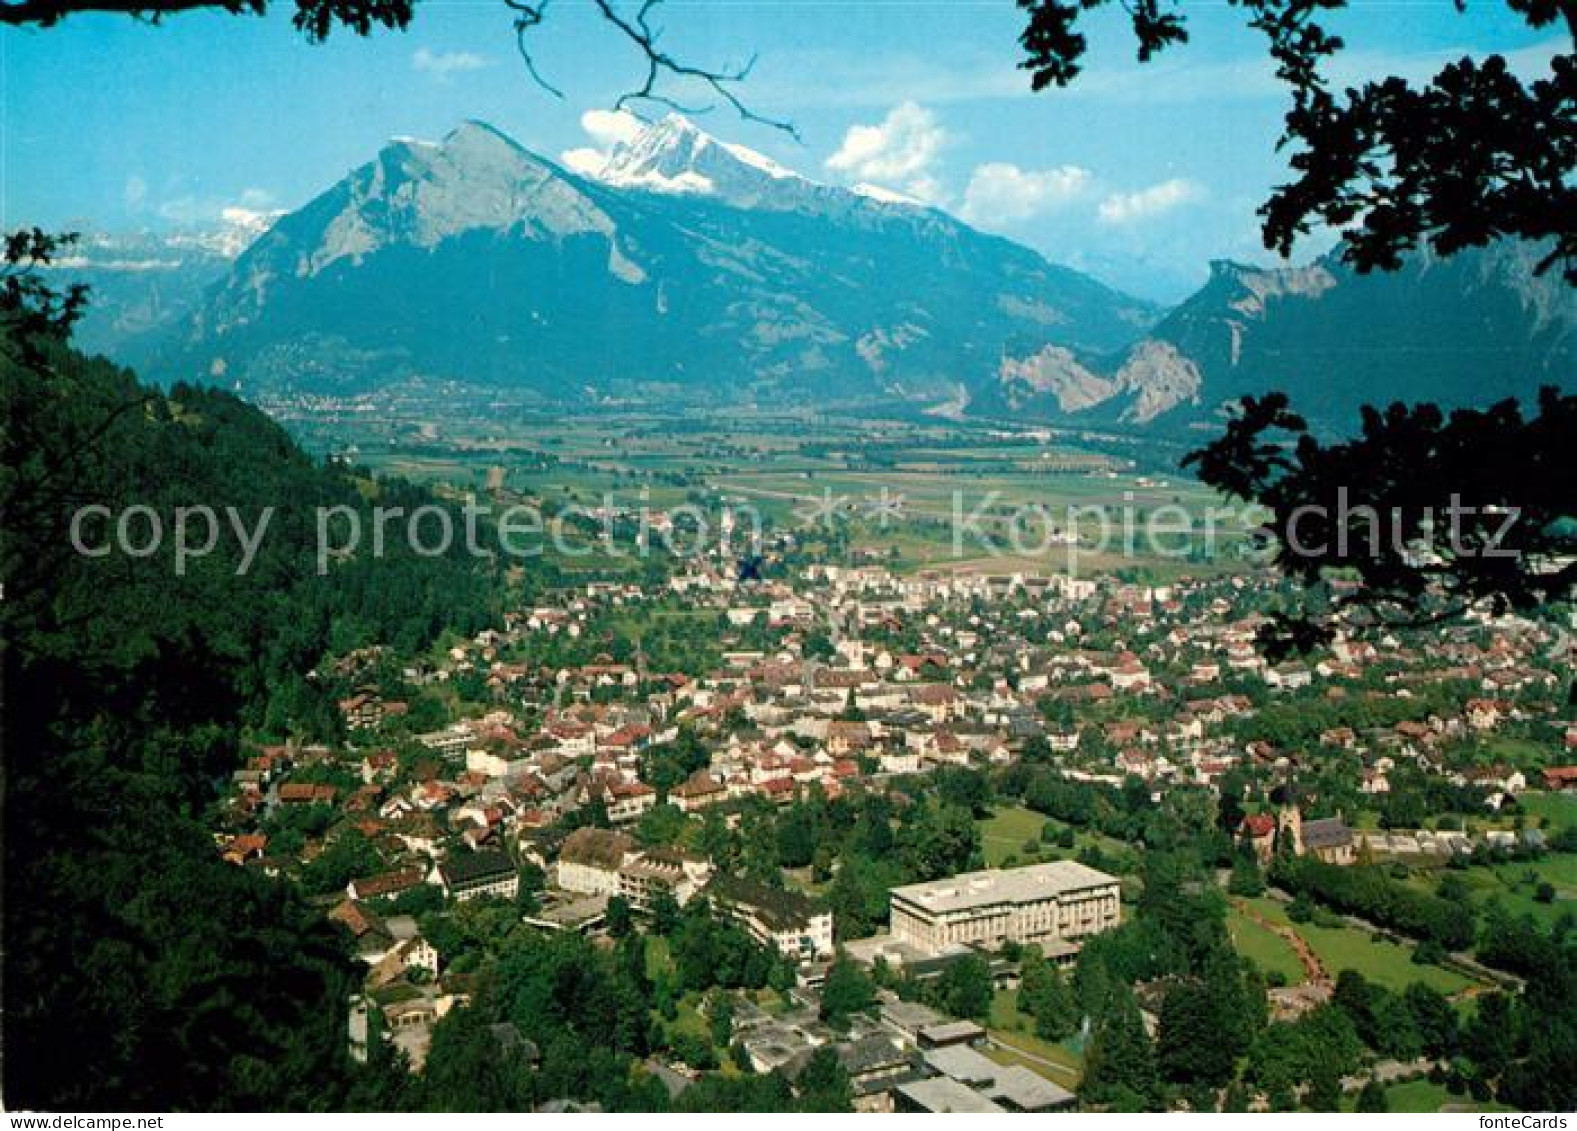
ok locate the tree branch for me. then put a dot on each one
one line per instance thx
(527, 17)
(313, 18)
(639, 31)
(47, 13)
(1471, 155)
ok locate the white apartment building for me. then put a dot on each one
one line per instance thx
(656, 870)
(590, 859)
(795, 924)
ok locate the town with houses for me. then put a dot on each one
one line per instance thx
(613, 758)
(1013, 558)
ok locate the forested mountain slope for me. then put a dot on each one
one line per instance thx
(141, 971)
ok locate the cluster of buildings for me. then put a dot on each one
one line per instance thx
(606, 863)
(848, 675)
(903, 1057)
(844, 679)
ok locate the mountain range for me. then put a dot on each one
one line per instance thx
(1472, 329)
(690, 270)
(144, 282)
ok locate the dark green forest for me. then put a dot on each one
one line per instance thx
(140, 970)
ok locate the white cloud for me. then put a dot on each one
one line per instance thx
(609, 127)
(249, 217)
(606, 129)
(201, 211)
(902, 152)
(586, 162)
(444, 65)
(1000, 192)
(1137, 207)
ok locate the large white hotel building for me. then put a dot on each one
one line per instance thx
(1055, 905)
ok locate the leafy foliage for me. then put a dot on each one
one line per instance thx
(1471, 155)
(1367, 892)
(710, 951)
(129, 944)
(1119, 1068)
(313, 18)
(1429, 513)
(1320, 1044)
(1372, 1097)
(30, 310)
(964, 988)
(847, 991)
(1206, 1024)
(1047, 997)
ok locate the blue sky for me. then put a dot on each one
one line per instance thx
(1141, 175)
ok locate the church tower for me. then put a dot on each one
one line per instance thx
(1289, 825)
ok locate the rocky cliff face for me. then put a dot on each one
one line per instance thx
(1472, 329)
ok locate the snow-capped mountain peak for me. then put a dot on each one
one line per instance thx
(887, 196)
(676, 156)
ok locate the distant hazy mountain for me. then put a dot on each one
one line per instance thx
(688, 268)
(142, 282)
(1472, 329)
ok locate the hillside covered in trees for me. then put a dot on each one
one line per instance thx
(129, 944)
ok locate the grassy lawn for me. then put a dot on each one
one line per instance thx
(1559, 869)
(1513, 884)
(1065, 1076)
(1263, 947)
(689, 1019)
(659, 959)
(1349, 948)
(1521, 752)
(1422, 1096)
(1057, 1062)
(1004, 1011)
(1389, 964)
(1559, 810)
(1004, 834)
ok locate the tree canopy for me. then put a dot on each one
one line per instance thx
(1474, 154)
(130, 945)
(1430, 513)
(313, 18)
